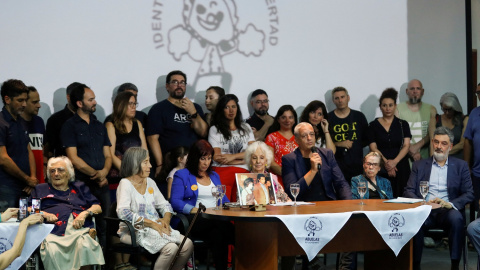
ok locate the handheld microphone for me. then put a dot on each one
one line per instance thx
(314, 150)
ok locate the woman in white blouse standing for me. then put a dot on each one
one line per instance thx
(229, 137)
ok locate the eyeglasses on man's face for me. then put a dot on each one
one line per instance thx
(260, 102)
(176, 83)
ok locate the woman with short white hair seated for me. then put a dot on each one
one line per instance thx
(69, 205)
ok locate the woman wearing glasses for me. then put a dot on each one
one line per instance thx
(390, 137)
(124, 131)
(453, 119)
(378, 187)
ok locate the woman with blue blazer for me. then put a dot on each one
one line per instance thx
(193, 185)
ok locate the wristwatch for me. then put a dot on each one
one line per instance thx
(194, 115)
(90, 213)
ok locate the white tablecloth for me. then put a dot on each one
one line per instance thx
(35, 235)
(314, 231)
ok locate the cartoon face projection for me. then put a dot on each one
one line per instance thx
(210, 31)
(212, 19)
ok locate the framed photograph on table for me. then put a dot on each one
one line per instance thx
(255, 188)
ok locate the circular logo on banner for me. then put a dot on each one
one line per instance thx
(5, 244)
(396, 221)
(312, 225)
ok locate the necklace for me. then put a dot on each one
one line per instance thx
(138, 184)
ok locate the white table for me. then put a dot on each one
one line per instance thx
(35, 235)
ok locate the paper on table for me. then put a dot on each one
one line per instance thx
(291, 203)
(404, 200)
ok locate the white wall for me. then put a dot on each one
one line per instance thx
(297, 50)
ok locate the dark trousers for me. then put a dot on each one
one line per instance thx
(218, 235)
(452, 222)
(103, 195)
(11, 195)
(476, 190)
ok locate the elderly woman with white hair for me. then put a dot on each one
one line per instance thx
(259, 157)
(70, 206)
(452, 118)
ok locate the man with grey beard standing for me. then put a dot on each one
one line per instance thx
(449, 190)
(418, 114)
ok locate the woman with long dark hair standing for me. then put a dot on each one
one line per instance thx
(229, 137)
(316, 114)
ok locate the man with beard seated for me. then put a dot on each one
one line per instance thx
(449, 190)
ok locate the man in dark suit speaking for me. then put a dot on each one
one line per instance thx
(317, 183)
(319, 176)
(450, 189)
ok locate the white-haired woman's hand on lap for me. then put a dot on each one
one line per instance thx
(79, 221)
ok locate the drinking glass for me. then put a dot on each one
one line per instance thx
(295, 189)
(215, 193)
(222, 189)
(362, 189)
(424, 190)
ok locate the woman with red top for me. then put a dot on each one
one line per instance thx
(280, 137)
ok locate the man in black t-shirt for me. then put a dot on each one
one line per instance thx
(349, 133)
(260, 120)
(175, 121)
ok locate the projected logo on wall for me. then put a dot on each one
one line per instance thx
(209, 31)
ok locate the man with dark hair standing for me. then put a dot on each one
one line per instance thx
(349, 133)
(87, 145)
(17, 164)
(36, 130)
(53, 142)
(260, 120)
(175, 121)
(130, 87)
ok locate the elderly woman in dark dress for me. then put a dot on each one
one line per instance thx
(69, 205)
(390, 137)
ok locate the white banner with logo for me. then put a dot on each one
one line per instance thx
(313, 232)
(35, 235)
(399, 226)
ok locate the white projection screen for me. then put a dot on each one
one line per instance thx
(295, 50)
